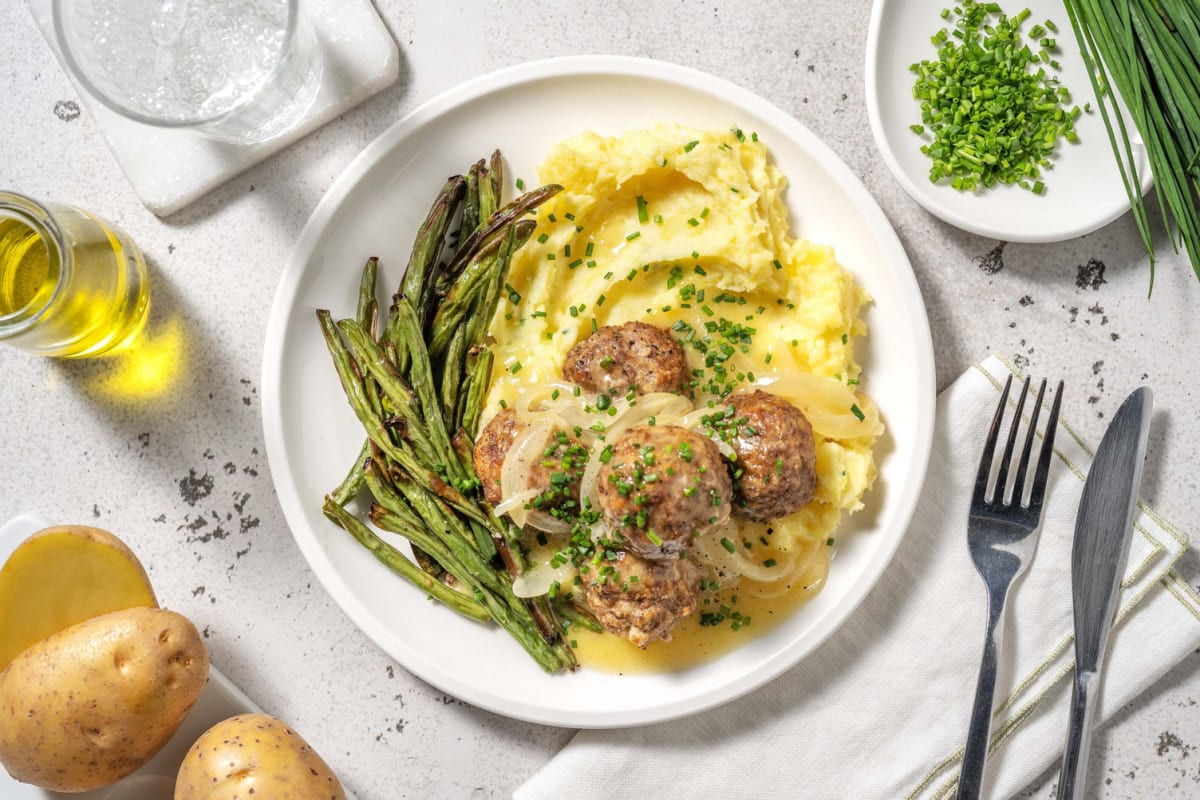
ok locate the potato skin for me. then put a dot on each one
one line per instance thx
(93, 703)
(251, 756)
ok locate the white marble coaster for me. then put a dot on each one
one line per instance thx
(170, 168)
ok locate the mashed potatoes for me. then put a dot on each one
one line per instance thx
(687, 230)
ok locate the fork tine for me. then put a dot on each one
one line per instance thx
(989, 447)
(1043, 467)
(1022, 467)
(1002, 476)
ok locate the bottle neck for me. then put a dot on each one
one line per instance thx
(35, 263)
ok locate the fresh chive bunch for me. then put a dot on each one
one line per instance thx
(994, 113)
(1149, 50)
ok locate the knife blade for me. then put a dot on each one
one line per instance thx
(1102, 531)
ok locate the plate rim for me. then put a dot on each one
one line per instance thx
(427, 669)
(928, 200)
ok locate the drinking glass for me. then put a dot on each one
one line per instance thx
(71, 284)
(237, 70)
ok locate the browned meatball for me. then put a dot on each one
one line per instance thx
(661, 485)
(636, 355)
(557, 471)
(775, 473)
(639, 599)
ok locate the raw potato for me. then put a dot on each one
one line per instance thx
(254, 755)
(93, 703)
(64, 575)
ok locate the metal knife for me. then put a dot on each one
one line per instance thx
(1102, 531)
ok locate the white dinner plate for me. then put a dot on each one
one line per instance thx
(1083, 190)
(374, 208)
(220, 700)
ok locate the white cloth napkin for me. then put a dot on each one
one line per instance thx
(881, 709)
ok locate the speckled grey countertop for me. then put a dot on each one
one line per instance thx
(181, 473)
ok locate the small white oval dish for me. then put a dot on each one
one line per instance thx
(1083, 190)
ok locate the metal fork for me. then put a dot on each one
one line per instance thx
(1002, 537)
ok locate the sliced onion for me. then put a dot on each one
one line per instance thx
(707, 551)
(589, 490)
(695, 422)
(542, 398)
(536, 518)
(665, 407)
(739, 562)
(600, 532)
(516, 500)
(827, 403)
(525, 452)
(569, 409)
(537, 579)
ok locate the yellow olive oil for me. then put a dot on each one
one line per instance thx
(24, 268)
(71, 285)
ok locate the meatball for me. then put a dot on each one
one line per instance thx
(641, 600)
(661, 485)
(636, 355)
(775, 473)
(557, 472)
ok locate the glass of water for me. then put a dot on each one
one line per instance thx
(237, 70)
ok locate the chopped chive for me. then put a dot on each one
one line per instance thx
(643, 214)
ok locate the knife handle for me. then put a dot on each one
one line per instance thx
(1073, 780)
